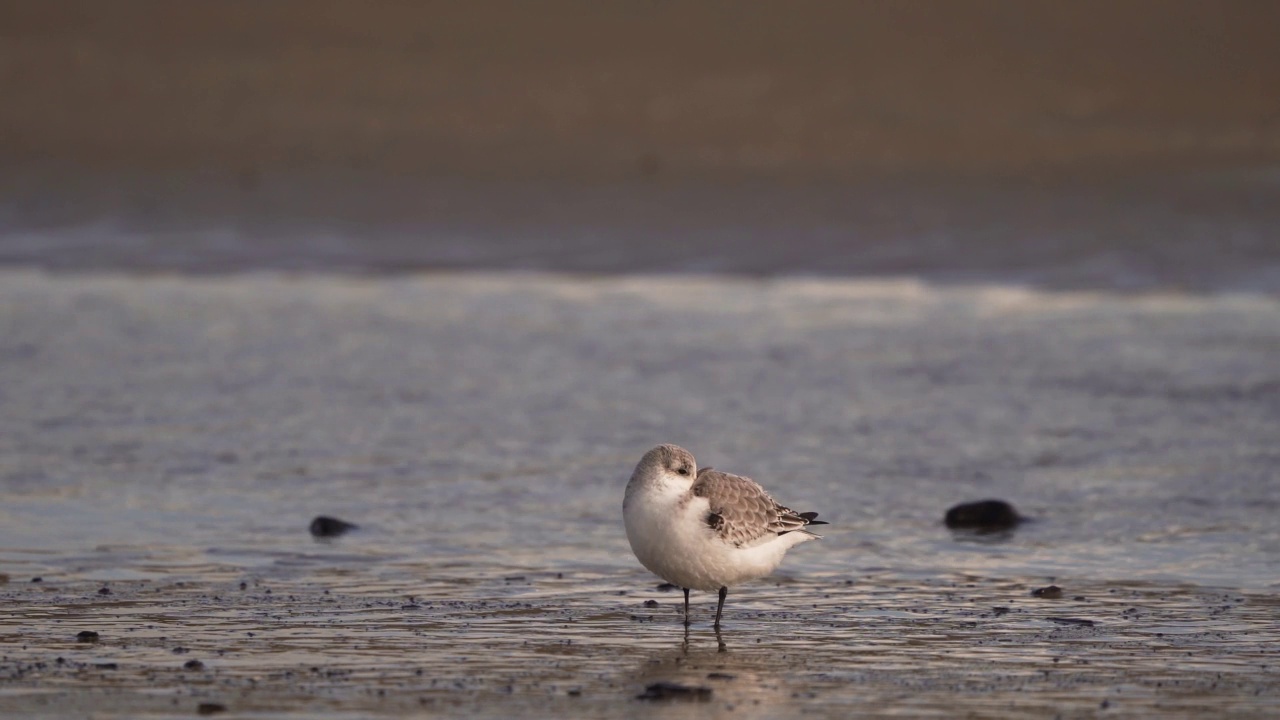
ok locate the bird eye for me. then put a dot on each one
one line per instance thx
(683, 470)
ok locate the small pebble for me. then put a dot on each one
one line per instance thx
(86, 636)
(210, 708)
(325, 526)
(104, 591)
(1071, 621)
(1051, 592)
(651, 603)
(666, 690)
(667, 587)
(193, 665)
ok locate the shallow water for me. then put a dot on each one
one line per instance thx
(172, 438)
(1191, 231)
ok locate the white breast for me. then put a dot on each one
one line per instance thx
(670, 536)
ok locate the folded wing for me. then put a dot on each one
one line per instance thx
(742, 512)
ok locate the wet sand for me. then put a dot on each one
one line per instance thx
(577, 645)
(170, 438)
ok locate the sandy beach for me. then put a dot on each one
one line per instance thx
(445, 271)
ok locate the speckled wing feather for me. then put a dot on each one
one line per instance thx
(742, 512)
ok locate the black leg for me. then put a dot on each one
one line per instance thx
(724, 592)
(686, 607)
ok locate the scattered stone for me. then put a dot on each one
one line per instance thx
(87, 636)
(574, 692)
(107, 666)
(210, 708)
(1071, 621)
(1051, 592)
(667, 587)
(325, 526)
(984, 516)
(37, 579)
(104, 591)
(999, 610)
(721, 676)
(193, 665)
(667, 690)
(651, 603)
(180, 650)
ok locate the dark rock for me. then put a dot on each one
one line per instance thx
(37, 579)
(666, 690)
(87, 636)
(210, 708)
(107, 666)
(193, 665)
(325, 526)
(180, 650)
(104, 591)
(721, 676)
(667, 587)
(1051, 592)
(984, 515)
(651, 603)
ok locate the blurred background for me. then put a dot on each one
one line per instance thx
(1129, 144)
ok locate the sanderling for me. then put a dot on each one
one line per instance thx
(705, 529)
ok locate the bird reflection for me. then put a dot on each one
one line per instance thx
(720, 644)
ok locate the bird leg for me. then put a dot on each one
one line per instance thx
(686, 607)
(724, 592)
